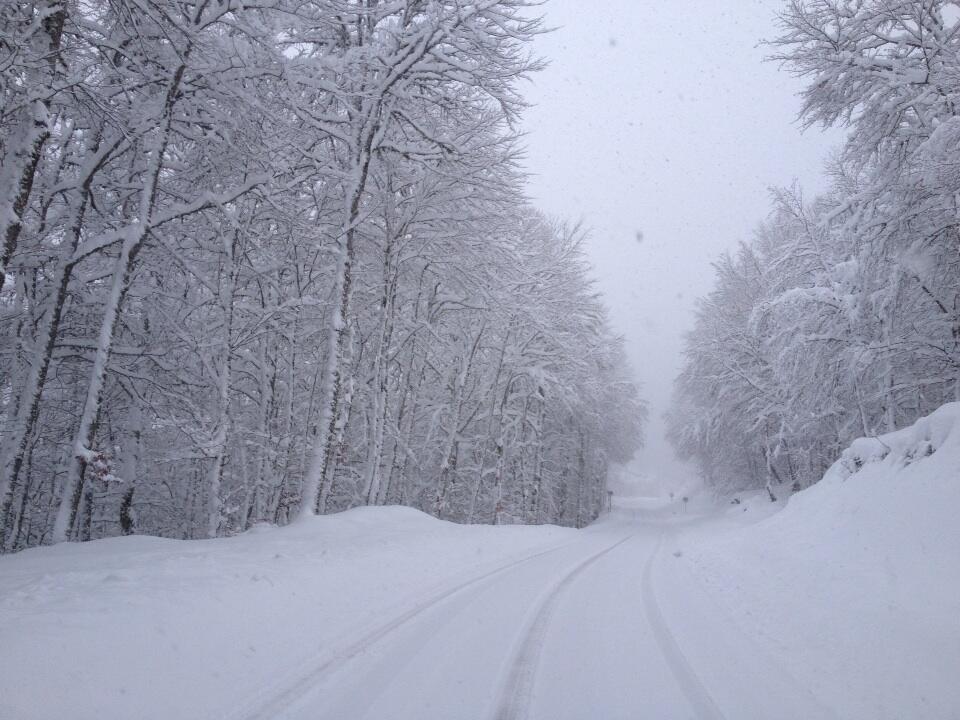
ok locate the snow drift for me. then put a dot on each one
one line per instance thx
(857, 579)
(150, 628)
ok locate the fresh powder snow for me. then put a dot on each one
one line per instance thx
(839, 603)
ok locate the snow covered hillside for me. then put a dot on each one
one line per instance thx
(856, 583)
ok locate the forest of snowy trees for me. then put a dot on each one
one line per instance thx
(841, 318)
(273, 258)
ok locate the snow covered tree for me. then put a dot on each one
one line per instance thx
(265, 260)
(856, 316)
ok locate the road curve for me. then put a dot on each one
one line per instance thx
(608, 626)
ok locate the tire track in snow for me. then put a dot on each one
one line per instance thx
(284, 695)
(697, 695)
(514, 702)
(779, 680)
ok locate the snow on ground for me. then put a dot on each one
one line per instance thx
(145, 628)
(841, 602)
(855, 585)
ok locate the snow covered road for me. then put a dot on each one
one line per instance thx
(576, 631)
(386, 614)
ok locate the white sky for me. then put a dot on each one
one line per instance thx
(659, 117)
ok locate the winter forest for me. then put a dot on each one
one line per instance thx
(270, 259)
(840, 319)
(479, 359)
(263, 260)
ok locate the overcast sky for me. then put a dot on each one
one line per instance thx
(659, 125)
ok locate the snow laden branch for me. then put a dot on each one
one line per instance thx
(841, 319)
(263, 260)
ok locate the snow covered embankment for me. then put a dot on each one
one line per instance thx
(857, 581)
(144, 628)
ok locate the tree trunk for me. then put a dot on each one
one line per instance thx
(315, 486)
(215, 504)
(372, 491)
(26, 146)
(28, 405)
(82, 452)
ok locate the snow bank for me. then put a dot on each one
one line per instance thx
(898, 449)
(144, 628)
(858, 578)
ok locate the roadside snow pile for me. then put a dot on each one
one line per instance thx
(857, 580)
(894, 451)
(142, 627)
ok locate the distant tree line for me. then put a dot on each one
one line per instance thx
(268, 259)
(841, 318)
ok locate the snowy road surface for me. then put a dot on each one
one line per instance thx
(577, 631)
(384, 613)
